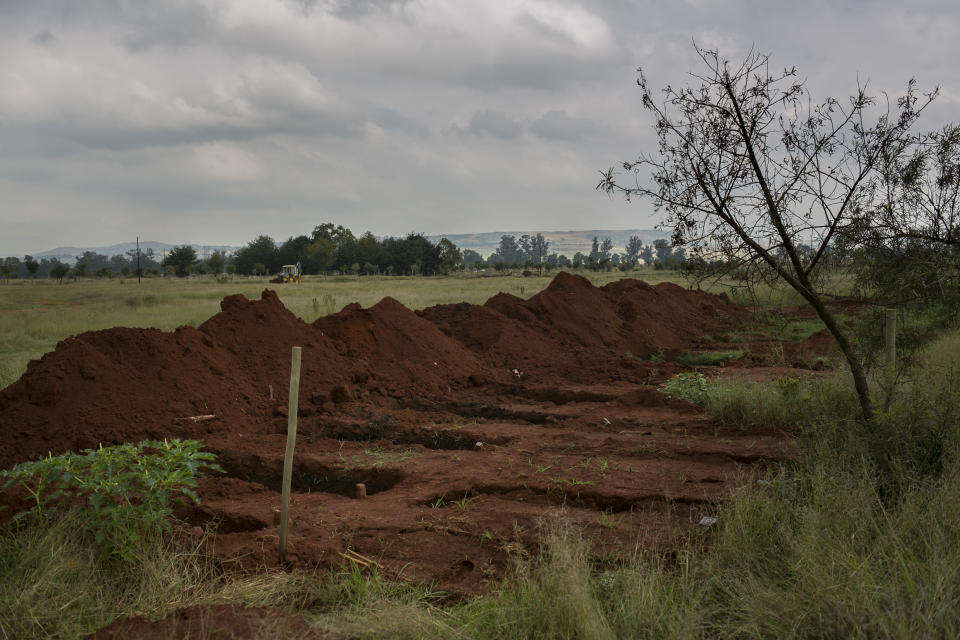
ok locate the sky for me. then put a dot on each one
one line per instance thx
(214, 121)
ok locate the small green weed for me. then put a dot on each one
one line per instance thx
(610, 521)
(691, 386)
(381, 457)
(464, 502)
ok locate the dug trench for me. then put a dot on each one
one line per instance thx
(467, 425)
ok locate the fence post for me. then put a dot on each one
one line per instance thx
(291, 442)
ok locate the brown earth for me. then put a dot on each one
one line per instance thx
(467, 425)
(213, 622)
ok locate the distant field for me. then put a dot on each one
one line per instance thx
(35, 316)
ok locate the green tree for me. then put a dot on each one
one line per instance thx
(343, 240)
(216, 262)
(182, 260)
(507, 252)
(450, 255)
(539, 247)
(633, 249)
(471, 258)
(58, 271)
(321, 255)
(260, 250)
(367, 251)
(906, 246)
(294, 250)
(32, 266)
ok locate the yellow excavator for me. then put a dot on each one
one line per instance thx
(288, 273)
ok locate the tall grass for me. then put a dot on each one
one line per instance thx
(55, 584)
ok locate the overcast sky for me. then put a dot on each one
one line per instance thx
(214, 121)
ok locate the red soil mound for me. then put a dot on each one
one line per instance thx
(400, 348)
(573, 326)
(122, 385)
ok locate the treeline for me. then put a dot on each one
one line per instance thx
(335, 249)
(533, 251)
(89, 264)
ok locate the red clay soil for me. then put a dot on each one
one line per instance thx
(212, 622)
(467, 425)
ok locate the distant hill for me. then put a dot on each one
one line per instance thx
(564, 242)
(70, 254)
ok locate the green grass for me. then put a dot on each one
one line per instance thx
(708, 358)
(55, 584)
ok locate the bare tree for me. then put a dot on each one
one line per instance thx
(750, 164)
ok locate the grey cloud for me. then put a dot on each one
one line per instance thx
(349, 9)
(44, 38)
(176, 27)
(393, 120)
(540, 28)
(557, 124)
(492, 122)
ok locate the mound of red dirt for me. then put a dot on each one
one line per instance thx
(399, 347)
(122, 385)
(572, 326)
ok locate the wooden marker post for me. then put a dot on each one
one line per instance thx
(291, 442)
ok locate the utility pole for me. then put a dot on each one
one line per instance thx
(138, 259)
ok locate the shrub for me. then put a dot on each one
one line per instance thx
(691, 386)
(121, 493)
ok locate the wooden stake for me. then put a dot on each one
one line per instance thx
(291, 442)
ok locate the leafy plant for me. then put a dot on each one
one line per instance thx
(691, 386)
(121, 494)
